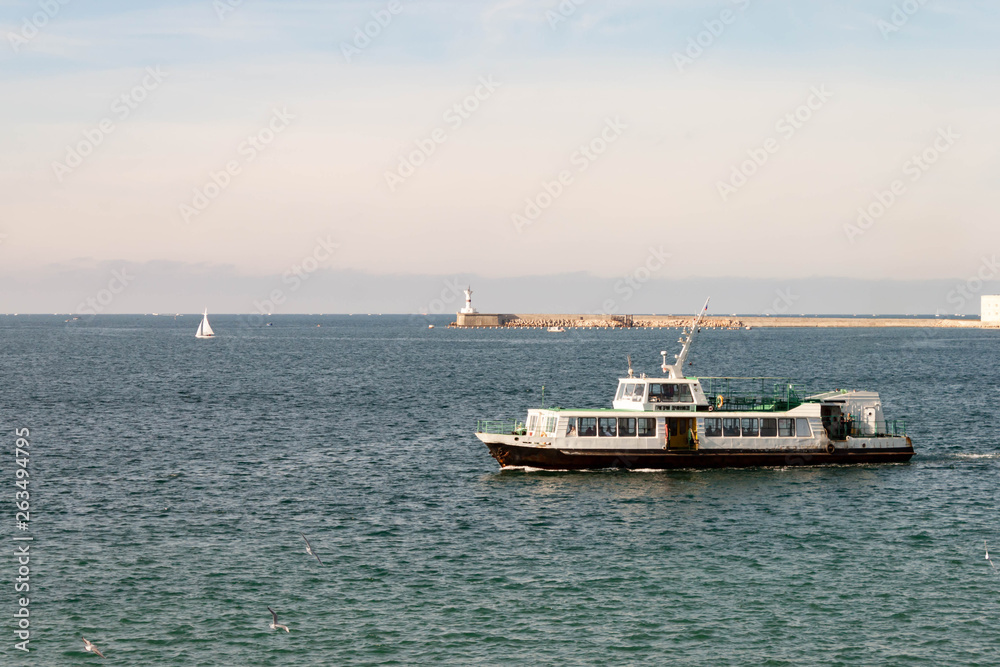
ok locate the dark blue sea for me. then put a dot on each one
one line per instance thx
(170, 479)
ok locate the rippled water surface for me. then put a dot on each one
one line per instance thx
(171, 478)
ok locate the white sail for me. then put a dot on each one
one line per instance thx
(204, 328)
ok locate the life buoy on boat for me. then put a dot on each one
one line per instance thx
(719, 401)
(830, 449)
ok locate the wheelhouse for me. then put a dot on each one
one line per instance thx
(659, 394)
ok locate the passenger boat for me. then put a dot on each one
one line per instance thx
(700, 422)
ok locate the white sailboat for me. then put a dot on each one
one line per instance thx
(204, 328)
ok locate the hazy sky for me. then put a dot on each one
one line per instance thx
(118, 115)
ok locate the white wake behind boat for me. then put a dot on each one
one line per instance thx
(204, 328)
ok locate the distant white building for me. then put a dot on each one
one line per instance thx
(989, 308)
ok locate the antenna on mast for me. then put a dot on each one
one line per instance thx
(629, 357)
(676, 370)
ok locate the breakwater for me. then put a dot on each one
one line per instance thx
(598, 321)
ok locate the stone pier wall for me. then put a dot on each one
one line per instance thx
(536, 320)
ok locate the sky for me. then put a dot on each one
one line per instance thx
(250, 143)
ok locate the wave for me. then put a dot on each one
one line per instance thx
(955, 456)
(991, 455)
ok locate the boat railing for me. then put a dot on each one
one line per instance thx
(889, 427)
(500, 426)
(751, 394)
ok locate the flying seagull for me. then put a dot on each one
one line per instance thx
(90, 648)
(309, 549)
(988, 556)
(274, 622)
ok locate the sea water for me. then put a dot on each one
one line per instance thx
(170, 479)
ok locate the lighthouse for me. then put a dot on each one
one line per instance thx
(468, 301)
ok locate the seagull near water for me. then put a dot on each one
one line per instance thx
(988, 557)
(90, 648)
(274, 622)
(309, 549)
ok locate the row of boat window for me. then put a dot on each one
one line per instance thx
(751, 427)
(658, 393)
(610, 427)
(645, 427)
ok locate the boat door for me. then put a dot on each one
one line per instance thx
(678, 431)
(870, 422)
(833, 421)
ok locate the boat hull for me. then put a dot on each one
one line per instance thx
(509, 455)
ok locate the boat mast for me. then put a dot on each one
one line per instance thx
(677, 369)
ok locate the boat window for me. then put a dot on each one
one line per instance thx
(621, 391)
(647, 427)
(588, 426)
(786, 427)
(730, 427)
(626, 427)
(571, 426)
(768, 427)
(802, 427)
(749, 427)
(638, 392)
(532, 423)
(607, 427)
(713, 427)
(670, 393)
(550, 424)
